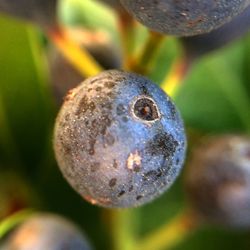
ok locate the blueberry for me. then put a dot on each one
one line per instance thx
(218, 180)
(119, 140)
(197, 46)
(42, 12)
(184, 18)
(45, 231)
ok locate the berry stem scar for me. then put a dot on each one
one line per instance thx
(75, 54)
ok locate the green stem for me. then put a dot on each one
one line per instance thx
(170, 234)
(122, 229)
(176, 75)
(144, 60)
(12, 221)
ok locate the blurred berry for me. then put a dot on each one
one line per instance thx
(197, 46)
(119, 140)
(45, 232)
(42, 12)
(184, 18)
(218, 180)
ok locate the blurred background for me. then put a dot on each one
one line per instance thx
(214, 98)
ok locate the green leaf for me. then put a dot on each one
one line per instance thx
(213, 97)
(26, 109)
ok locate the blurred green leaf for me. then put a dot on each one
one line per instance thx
(213, 97)
(26, 109)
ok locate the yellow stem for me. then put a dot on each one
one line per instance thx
(170, 234)
(123, 229)
(74, 53)
(127, 33)
(177, 73)
(13, 220)
(142, 63)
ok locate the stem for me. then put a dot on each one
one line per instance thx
(75, 54)
(122, 229)
(177, 73)
(127, 33)
(170, 234)
(144, 60)
(12, 221)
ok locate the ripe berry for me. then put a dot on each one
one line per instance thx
(197, 46)
(218, 181)
(46, 231)
(119, 140)
(184, 18)
(42, 12)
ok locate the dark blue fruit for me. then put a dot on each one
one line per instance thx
(218, 180)
(119, 140)
(184, 18)
(46, 231)
(197, 46)
(42, 12)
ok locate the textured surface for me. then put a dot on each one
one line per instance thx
(46, 231)
(218, 180)
(184, 18)
(197, 46)
(42, 12)
(119, 140)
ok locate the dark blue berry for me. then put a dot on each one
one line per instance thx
(197, 46)
(42, 12)
(184, 18)
(218, 180)
(119, 140)
(45, 231)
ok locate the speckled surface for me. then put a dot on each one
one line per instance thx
(119, 140)
(184, 18)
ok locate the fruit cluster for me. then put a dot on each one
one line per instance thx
(119, 139)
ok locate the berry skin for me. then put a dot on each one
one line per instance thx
(45, 231)
(42, 12)
(119, 140)
(197, 46)
(218, 181)
(184, 18)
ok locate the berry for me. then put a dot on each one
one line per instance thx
(197, 46)
(42, 12)
(184, 18)
(218, 181)
(46, 231)
(119, 140)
